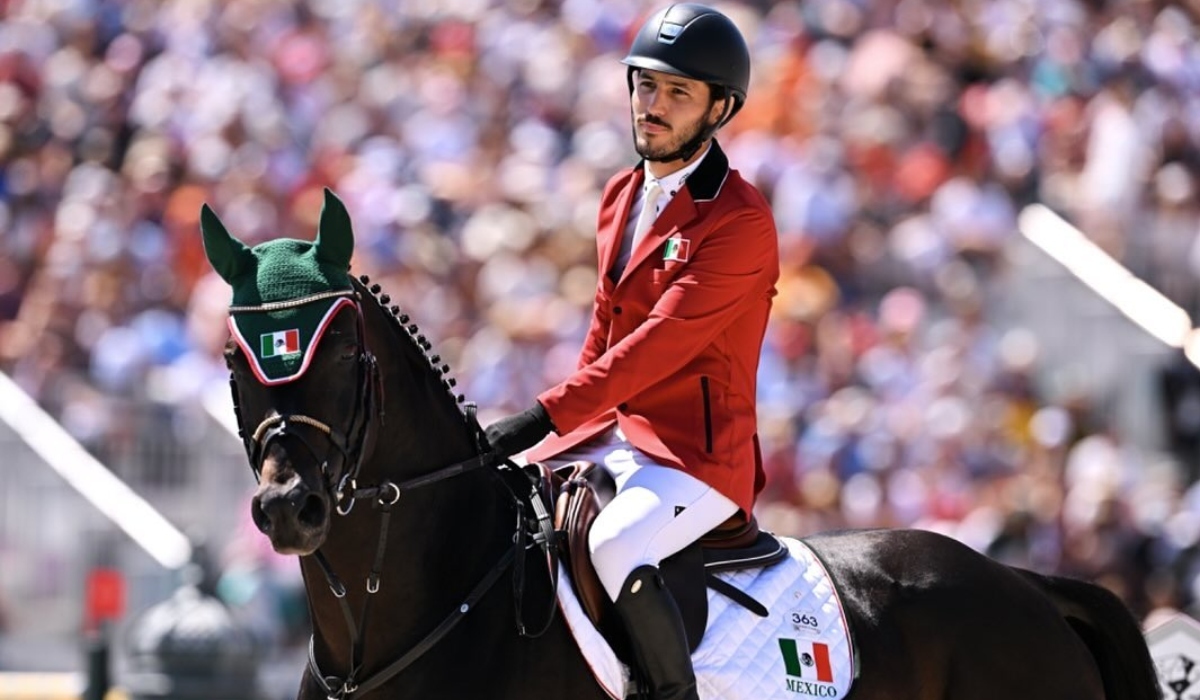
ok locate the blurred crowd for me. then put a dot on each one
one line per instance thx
(897, 140)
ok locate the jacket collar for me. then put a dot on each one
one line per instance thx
(705, 182)
(672, 183)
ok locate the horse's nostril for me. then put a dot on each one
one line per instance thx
(313, 512)
(261, 520)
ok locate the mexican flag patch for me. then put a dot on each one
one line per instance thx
(677, 249)
(280, 343)
(806, 659)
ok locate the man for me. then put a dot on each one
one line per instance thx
(664, 394)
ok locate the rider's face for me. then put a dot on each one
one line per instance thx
(668, 110)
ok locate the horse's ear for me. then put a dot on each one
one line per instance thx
(335, 237)
(228, 256)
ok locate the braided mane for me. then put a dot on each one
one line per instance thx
(410, 330)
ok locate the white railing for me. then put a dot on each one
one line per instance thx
(176, 478)
(91, 479)
(1110, 345)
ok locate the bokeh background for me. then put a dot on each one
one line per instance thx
(925, 365)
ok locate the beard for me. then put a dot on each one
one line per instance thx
(669, 148)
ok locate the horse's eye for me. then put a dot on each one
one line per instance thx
(346, 344)
(235, 361)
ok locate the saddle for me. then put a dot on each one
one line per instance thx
(575, 493)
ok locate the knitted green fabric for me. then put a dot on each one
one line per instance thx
(285, 291)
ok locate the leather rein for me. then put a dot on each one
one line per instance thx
(534, 525)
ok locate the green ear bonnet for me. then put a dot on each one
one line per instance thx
(285, 291)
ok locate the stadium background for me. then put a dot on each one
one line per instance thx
(925, 366)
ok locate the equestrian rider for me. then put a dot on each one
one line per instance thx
(664, 392)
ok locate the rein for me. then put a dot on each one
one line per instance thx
(537, 527)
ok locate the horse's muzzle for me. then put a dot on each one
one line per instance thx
(292, 516)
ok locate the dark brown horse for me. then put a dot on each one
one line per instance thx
(371, 470)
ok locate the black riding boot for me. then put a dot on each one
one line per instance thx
(657, 636)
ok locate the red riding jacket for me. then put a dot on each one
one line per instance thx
(673, 348)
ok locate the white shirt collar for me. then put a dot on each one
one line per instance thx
(672, 183)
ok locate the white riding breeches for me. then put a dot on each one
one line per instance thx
(657, 511)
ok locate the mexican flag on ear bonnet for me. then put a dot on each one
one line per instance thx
(285, 291)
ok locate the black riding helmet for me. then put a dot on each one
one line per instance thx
(697, 42)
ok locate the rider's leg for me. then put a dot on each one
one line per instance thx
(657, 512)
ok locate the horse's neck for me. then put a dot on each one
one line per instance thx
(424, 528)
(441, 540)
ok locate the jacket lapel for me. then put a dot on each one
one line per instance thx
(680, 211)
(610, 241)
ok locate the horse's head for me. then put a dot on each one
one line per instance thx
(304, 383)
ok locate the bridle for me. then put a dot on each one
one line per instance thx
(534, 525)
(350, 444)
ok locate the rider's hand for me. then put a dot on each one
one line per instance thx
(520, 431)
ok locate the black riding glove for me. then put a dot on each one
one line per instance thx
(516, 433)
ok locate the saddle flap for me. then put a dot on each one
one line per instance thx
(579, 491)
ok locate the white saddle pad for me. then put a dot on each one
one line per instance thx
(802, 649)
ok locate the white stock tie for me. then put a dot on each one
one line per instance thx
(644, 221)
(648, 215)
